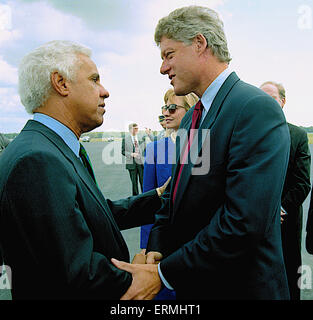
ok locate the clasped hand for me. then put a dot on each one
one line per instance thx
(146, 281)
(153, 257)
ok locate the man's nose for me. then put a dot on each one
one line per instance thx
(104, 93)
(164, 67)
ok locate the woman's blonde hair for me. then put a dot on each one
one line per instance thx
(189, 100)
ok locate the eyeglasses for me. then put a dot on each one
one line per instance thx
(161, 118)
(171, 108)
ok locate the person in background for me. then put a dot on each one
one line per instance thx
(162, 122)
(297, 186)
(4, 142)
(133, 148)
(160, 155)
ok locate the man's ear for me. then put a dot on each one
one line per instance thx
(59, 84)
(283, 101)
(200, 43)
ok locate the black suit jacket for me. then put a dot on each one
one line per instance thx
(296, 188)
(57, 231)
(221, 239)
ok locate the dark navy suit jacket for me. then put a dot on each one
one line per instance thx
(221, 238)
(57, 231)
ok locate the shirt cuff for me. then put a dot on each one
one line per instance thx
(283, 210)
(167, 285)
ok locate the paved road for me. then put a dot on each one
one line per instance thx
(114, 182)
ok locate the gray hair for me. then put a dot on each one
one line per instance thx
(184, 24)
(35, 70)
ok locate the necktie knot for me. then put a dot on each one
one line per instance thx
(199, 106)
(82, 151)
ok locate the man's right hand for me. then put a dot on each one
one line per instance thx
(146, 280)
(135, 155)
(154, 257)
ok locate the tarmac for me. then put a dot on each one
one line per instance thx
(114, 182)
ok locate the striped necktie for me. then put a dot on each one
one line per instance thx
(196, 117)
(86, 161)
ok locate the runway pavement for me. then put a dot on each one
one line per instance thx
(113, 180)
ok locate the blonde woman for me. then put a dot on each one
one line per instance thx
(159, 156)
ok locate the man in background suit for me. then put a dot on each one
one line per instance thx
(296, 188)
(218, 234)
(162, 122)
(4, 142)
(133, 149)
(57, 231)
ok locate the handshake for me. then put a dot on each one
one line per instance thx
(152, 257)
(146, 280)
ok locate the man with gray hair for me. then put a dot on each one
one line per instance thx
(218, 234)
(57, 231)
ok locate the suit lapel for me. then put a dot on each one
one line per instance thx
(206, 124)
(218, 101)
(76, 162)
(94, 190)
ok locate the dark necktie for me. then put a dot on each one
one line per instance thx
(86, 161)
(136, 145)
(196, 117)
(137, 150)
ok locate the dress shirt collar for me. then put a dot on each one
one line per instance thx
(60, 129)
(212, 90)
(134, 138)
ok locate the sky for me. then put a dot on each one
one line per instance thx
(267, 40)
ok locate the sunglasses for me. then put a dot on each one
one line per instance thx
(171, 108)
(161, 118)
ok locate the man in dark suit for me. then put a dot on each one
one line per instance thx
(133, 149)
(218, 235)
(57, 231)
(296, 188)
